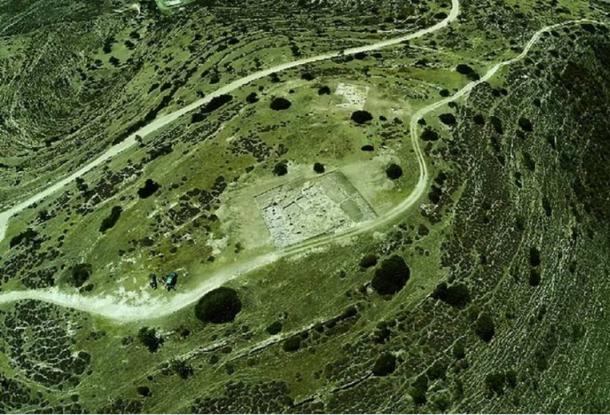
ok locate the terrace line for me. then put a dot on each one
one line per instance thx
(232, 86)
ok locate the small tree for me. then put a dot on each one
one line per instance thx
(182, 369)
(384, 365)
(80, 274)
(149, 338)
(218, 306)
(280, 169)
(318, 168)
(391, 276)
(393, 171)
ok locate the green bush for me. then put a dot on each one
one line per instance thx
(361, 117)
(534, 279)
(274, 328)
(393, 171)
(368, 261)
(148, 337)
(181, 368)
(391, 276)
(280, 104)
(80, 274)
(111, 219)
(280, 169)
(484, 327)
(292, 344)
(534, 256)
(448, 119)
(384, 365)
(418, 390)
(218, 306)
(495, 382)
(456, 295)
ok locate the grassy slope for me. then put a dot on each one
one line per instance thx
(505, 194)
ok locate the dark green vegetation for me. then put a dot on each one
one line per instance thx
(280, 104)
(393, 171)
(149, 188)
(80, 274)
(391, 276)
(361, 117)
(489, 295)
(111, 220)
(218, 306)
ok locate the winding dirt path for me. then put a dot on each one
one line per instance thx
(230, 87)
(109, 307)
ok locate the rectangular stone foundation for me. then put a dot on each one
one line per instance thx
(304, 209)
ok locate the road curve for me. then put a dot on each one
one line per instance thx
(122, 312)
(162, 121)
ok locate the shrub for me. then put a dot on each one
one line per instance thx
(422, 230)
(463, 69)
(274, 328)
(149, 188)
(393, 171)
(456, 295)
(479, 119)
(391, 276)
(484, 327)
(111, 219)
(319, 168)
(367, 147)
(534, 256)
(495, 382)
(534, 279)
(459, 350)
(361, 117)
(448, 119)
(252, 98)
(384, 365)
(143, 391)
(324, 90)
(216, 103)
(418, 390)
(435, 194)
(27, 236)
(181, 368)
(468, 71)
(218, 306)
(368, 261)
(429, 135)
(280, 169)
(438, 370)
(496, 124)
(292, 344)
(526, 125)
(280, 104)
(80, 274)
(511, 378)
(148, 337)
(382, 333)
